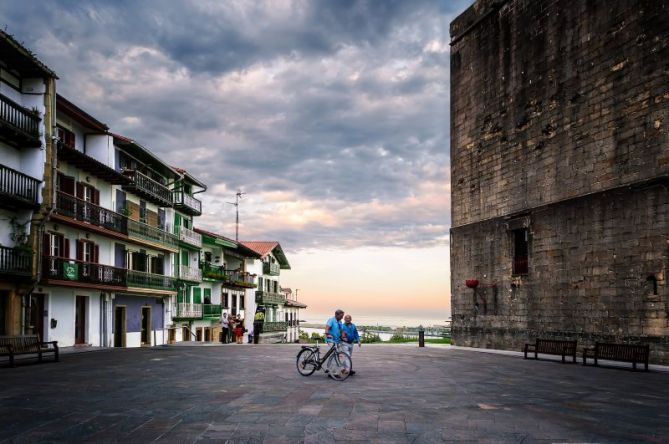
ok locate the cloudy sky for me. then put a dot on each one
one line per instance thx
(332, 117)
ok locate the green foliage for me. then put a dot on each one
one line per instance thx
(438, 341)
(316, 337)
(304, 336)
(369, 338)
(400, 338)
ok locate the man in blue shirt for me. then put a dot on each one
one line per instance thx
(333, 327)
(351, 336)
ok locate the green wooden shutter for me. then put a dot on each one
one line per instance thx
(197, 296)
(180, 297)
(184, 257)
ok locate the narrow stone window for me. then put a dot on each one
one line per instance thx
(520, 251)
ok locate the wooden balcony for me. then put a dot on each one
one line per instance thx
(80, 210)
(148, 188)
(190, 237)
(188, 311)
(187, 273)
(15, 263)
(186, 203)
(84, 274)
(19, 126)
(269, 298)
(271, 269)
(18, 190)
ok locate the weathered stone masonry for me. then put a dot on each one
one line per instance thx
(559, 117)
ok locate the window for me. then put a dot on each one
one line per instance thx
(207, 257)
(157, 264)
(207, 295)
(138, 261)
(226, 302)
(66, 137)
(142, 211)
(520, 251)
(234, 303)
(241, 302)
(10, 79)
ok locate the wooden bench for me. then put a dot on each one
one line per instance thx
(634, 353)
(552, 347)
(26, 345)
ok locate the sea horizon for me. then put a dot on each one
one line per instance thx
(380, 320)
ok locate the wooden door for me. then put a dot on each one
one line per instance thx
(4, 302)
(119, 326)
(37, 315)
(80, 320)
(146, 326)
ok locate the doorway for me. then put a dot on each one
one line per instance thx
(37, 315)
(119, 326)
(4, 299)
(146, 326)
(80, 320)
(185, 333)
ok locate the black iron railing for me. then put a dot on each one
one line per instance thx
(187, 203)
(70, 206)
(15, 262)
(21, 118)
(150, 280)
(18, 185)
(73, 270)
(142, 183)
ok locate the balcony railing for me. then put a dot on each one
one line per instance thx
(211, 311)
(15, 262)
(186, 310)
(269, 327)
(22, 121)
(271, 269)
(187, 273)
(152, 234)
(185, 202)
(229, 277)
(18, 186)
(269, 298)
(72, 270)
(190, 237)
(150, 280)
(83, 211)
(149, 188)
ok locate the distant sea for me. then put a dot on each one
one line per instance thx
(386, 321)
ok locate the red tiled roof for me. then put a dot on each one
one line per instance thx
(263, 248)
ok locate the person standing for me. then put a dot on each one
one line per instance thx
(225, 323)
(239, 331)
(333, 327)
(231, 328)
(351, 334)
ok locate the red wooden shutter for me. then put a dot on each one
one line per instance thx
(96, 253)
(96, 196)
(65, 247)
(80, 250)
(46, 244)
(80, 190)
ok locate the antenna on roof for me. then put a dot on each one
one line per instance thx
(236, 204)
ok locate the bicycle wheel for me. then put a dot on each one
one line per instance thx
(306, 362)
(339, 366)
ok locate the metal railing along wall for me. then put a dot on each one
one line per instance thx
(186, 310)
(17, 184)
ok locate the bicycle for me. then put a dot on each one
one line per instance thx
(336, 361)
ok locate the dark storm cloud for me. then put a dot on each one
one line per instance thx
(335, 104)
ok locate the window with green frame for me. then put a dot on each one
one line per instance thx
(207, 295)
(197, 295)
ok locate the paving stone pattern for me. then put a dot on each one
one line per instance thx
(253, 394)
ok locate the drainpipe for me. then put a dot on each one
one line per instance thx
(42, 223)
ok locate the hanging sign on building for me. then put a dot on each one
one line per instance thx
(71, 271)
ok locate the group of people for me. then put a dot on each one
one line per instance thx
(232, 328)
(344, 333)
